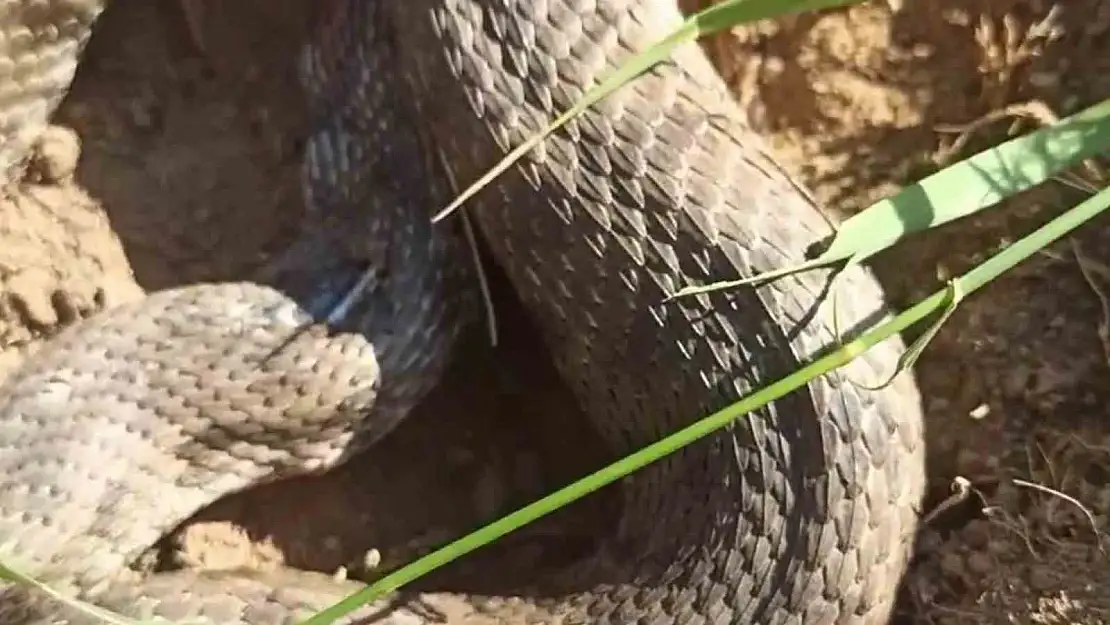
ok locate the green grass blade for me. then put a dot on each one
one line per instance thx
(954, 295)
(979, 182)
(107, 616)
(968, 283)
(954, 192)
(1039, 239)
(957, 289)
(712, 19)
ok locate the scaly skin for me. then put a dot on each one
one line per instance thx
(803, 512)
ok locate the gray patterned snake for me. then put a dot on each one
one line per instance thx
(126, 423)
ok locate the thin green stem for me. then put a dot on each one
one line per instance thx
(969, 283)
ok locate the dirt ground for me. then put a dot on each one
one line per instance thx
(169, 167)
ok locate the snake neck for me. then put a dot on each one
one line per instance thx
(371, 260)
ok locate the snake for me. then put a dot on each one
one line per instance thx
(122, 425)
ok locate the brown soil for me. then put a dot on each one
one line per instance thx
(169, 167)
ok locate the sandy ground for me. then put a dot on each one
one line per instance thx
(168, 167)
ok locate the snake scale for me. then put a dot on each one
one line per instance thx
(125, 423)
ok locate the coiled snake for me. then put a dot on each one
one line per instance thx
(126, 423)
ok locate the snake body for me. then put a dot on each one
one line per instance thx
(802, 512)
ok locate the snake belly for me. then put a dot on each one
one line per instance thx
(803, 512)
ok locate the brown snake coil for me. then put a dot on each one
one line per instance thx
(802, 512)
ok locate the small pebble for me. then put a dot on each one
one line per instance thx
(56, 154)
(372, 559)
